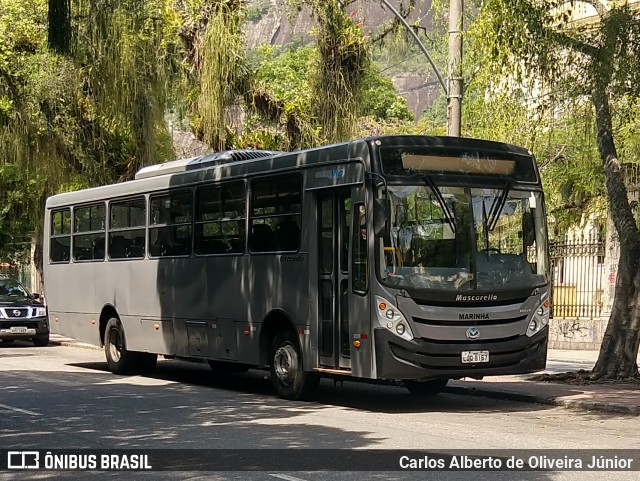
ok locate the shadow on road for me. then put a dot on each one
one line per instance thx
(379, 398)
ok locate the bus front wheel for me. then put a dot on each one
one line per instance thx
(425, 388)
(119, 360)
(288, 377)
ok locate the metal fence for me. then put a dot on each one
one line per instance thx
(578, 265)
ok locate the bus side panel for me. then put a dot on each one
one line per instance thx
(78, 326)
(271, 282)
(149, 335)
(72, 286)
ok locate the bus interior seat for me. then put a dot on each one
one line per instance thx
(210, 245)
(236, 245)
(262, 238)
(97, 248)
(288, 235)
(118, 247)
(136, 247)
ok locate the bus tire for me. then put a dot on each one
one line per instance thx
(119, 360)
(425, 388)
(288, 377)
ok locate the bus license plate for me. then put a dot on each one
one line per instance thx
(473, 357)
(18, 330)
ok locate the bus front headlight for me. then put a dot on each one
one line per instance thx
(390, 317)
(540, 318)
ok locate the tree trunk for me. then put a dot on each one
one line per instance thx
(59, 28)
(619, 348)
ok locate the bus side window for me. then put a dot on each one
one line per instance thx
(276, 214)
(170, 224)
(60, 246)
(89, 232)
(360, 268)
(127, 228)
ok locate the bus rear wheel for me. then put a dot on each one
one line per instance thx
(425, 388)
(288, 377)
(119, 360)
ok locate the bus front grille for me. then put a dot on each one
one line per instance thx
(467, 323)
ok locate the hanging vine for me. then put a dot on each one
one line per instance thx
(341, 67)
(221, 59)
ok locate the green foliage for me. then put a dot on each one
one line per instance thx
(90, 117)
(287, 75)
(221, 72)
(534, 70)
(338, 77)
(380, 100)
(255, 13)
(20, 192)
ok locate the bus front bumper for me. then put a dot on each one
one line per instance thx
(426, 359)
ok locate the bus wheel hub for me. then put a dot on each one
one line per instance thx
(285, 362)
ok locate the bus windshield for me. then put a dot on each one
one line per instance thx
(464, 238)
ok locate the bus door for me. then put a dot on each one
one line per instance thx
(334, 218)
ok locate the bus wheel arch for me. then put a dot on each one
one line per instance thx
(113, 338)
(280, 341)
(108, 312)
(276, 321)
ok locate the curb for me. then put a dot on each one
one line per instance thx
(548, 400)
(81, 345)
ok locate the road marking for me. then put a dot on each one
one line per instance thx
(286, 478)
(18, 410)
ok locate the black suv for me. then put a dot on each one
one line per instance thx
(22, 315)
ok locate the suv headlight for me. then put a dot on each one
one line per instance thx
(391, 318)
(540, 318)
(41, 311)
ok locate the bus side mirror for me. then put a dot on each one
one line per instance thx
(381, 210)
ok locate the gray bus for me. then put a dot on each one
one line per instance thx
(412, 259)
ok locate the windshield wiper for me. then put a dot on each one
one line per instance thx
(448, 216)
(496, 208)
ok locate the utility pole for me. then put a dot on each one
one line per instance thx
(455, 88)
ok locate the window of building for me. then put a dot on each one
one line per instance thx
(89, 233)
(60, 246)
(220, 219)
(275, 214)
(127, 228)
(170, 224)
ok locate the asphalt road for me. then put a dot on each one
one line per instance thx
(63, 398)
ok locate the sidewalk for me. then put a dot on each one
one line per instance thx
(611, 398)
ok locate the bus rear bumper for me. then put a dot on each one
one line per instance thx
(425, 359)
